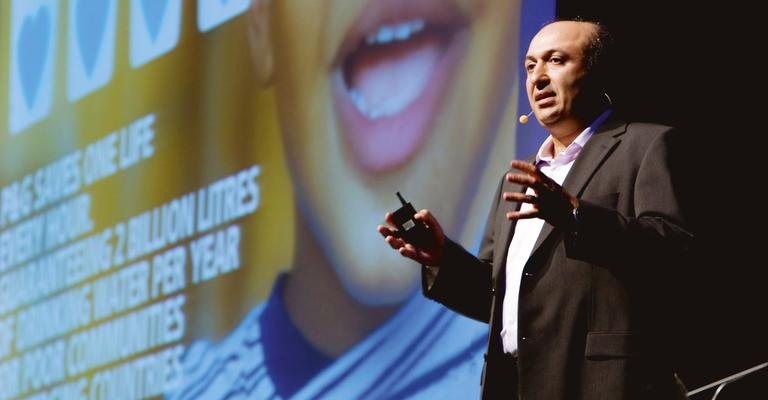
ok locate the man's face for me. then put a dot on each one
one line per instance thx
(555, 68)
(380, 96)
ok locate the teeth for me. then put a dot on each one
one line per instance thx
(386, 34)
(399, 32)
(371, 111)
(359, 101)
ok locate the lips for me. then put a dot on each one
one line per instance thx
(544, 99)
(390, 75)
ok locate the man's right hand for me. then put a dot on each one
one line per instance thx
(424, 255)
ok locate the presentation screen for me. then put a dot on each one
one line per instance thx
(190, 192)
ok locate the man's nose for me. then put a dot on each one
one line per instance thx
(538, 77)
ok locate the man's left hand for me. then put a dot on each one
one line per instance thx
(551, 202)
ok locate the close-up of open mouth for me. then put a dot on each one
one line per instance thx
(391, 74)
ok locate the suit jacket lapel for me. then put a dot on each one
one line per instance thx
(507, 226)
(599, 146)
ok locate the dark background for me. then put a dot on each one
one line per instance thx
(694, 67)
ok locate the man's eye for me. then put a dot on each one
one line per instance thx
(529, 67)
(556, 60)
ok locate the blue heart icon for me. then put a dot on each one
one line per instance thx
(33, 51)
(154, 11)
(90, 18)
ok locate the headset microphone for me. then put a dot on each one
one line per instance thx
(524, 118)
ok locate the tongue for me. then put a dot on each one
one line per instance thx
(385, 79)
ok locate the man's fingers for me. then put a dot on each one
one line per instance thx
(534, 179)
(388, 218)
(394, 242)
(430, 254)
(428, 218)
(421, 256)
(524, 166)
(514, 215)
(390, 236)
(520, 197)
(538, 178)
(385, 231)
(525, 180)
(409, 251)
(531, 170)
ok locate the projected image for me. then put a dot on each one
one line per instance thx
(377, 102)
(31, 67)
(202, 224)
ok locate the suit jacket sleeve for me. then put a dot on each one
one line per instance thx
(463, 282)
(654, 235)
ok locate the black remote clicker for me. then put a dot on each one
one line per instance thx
(410, 229)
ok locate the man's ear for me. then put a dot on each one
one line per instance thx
(260, 40)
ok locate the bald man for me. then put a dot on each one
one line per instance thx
(572, 273)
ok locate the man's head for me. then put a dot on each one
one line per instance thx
(566, 68)
(380, 96)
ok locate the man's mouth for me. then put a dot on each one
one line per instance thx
(391, 74)
(544, 99)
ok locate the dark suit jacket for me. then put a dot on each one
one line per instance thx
(592, 302)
